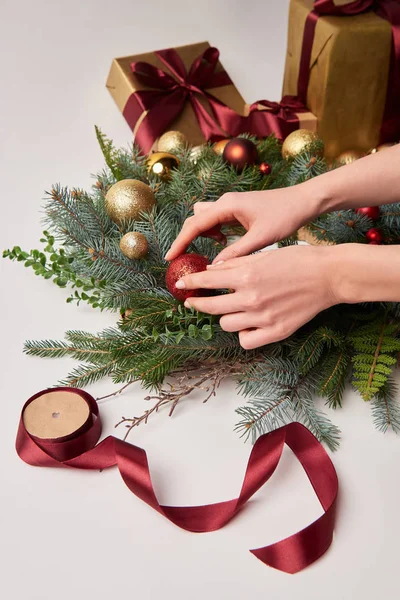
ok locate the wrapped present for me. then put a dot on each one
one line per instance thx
(184, 89)
(343, 62)
(289, 114)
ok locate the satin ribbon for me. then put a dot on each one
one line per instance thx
(79, 450)
(280, 118)
(387, 9)
(166, 95)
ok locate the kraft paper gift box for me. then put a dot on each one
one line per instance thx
(348, 74)
(123, 84)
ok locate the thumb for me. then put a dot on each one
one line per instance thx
(247, 244)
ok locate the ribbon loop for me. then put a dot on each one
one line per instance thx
(79, 450)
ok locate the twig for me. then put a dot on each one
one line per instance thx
(185, 381)
(118, 391)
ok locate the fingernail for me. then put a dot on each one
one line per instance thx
(167, 255)
(220, 262)
(180, 285)
(187, 304)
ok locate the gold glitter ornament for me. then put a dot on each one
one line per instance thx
(161, 163)
(126, 199)
(134, 245)
(171, 141)
(219, 146)
(297, 141)
(349, 156)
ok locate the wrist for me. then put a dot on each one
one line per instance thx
(319, 197)
(358, 273)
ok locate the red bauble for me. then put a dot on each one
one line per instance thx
(372, 212)
(240, 152)
(374, 235)
(216, 234)
(265, 168)
(181, 266)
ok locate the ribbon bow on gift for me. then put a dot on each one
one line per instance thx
(280, 118)
(387, 9)
(168, 95)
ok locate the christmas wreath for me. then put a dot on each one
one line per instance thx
(108, 246)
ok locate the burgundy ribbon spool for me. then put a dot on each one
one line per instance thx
(79, 450)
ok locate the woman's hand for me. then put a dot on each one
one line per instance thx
(275, 292)
(267, 216)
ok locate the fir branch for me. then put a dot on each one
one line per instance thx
(385, 408)
(109, 153)
(87, 374)
(376, 347)
(279, 395)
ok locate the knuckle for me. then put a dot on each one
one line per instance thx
(198, 207)
(228, 197)
(246, 277)
(267, 319)
(281, 330)
(253, 299)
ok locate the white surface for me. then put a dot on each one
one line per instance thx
(66, 534)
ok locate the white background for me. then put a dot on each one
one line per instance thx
(66, 534)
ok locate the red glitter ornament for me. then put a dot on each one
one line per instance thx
(181, 266)
(265, 168)
(372, 212)
(240, 152)
(374, 235)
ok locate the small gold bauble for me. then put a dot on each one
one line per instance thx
(219, 146)
(196, 152)
(349, 156)
(134, 245)
(297, 141)
(126, 199)
(171, 141)
(161, 163)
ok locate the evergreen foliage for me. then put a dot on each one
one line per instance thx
(156, 336)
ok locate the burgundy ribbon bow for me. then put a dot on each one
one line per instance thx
(387, 9)
(168, 95)
(280, 118)
(290, 555)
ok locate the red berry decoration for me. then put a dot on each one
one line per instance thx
(372, 212)
(181, 266)
(374, 235)
(265, 168)
(240, 152)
